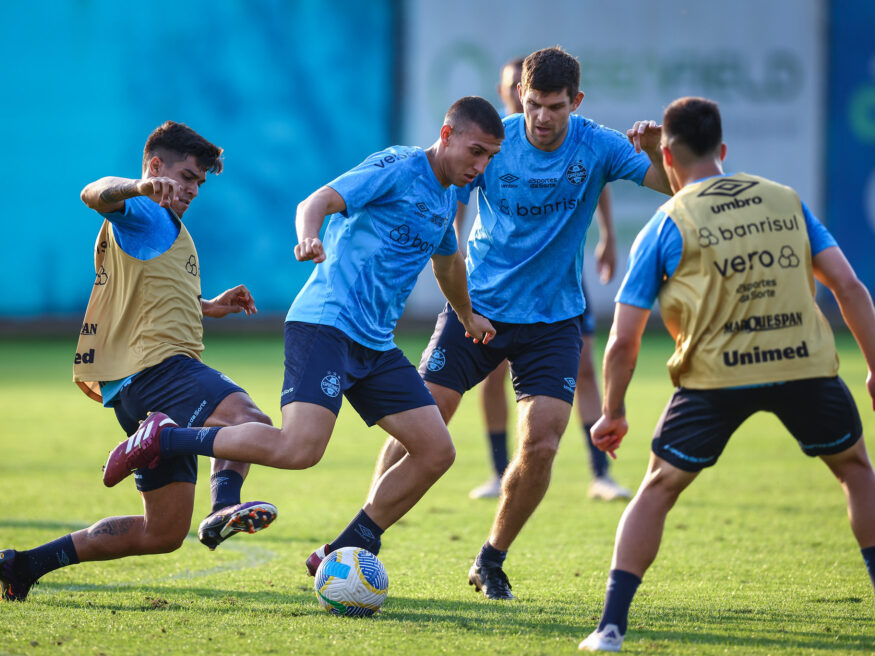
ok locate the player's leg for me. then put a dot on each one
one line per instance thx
(854, 471)
(493, 402)
(587, 399)
(228, 515)
(161, 529)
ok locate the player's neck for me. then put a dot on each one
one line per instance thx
(434, 160)
(698, 171)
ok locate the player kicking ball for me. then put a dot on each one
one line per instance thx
(388, 217)
(736, 353)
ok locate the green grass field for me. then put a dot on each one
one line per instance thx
(757, 557)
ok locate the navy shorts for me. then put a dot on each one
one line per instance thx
(696, 424)
(543, 357)
(322, 363)
(184, 389)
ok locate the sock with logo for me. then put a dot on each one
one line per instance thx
(869, 559)
(598, 459)
(491, 555)
(621, 588)
(49, 557)
(361, 532)
(225, 488)
(177, 441)
(498, 443)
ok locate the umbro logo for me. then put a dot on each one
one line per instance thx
(727, 187)
(508, 178)
(422, 207)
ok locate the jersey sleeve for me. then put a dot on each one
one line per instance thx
(464, 193)
(623, 163)
(655, 256)
(819, 237)
(376, 177)
(144, 230)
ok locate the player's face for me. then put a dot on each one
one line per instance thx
(190, 177)
(468, 151)
(547, 115)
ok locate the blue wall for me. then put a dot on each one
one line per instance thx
(296, 93)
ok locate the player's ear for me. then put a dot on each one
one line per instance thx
(446, 131)
(154, 167)
(666, 156)
(722, 151)
(575, 103)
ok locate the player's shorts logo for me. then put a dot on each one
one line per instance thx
(331, 384)
(569, 384)
(436, 360)
(576, 173)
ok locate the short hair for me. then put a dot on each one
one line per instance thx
(174, 141)
(516, 62)
(550, 70)
(476, 110)
(695, 123)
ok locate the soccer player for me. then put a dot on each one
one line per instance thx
(140, 350)
(525, 262)
(587, 396)
(388, 216)
(732, 260)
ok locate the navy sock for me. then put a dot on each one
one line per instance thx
(225, 488)
(498, 443)
(187, 441)
(51, 556)
(621, 588)
(361, 532)
(869, 559)
(491, 555)
(598, 459)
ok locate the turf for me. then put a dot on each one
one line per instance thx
(757, 556)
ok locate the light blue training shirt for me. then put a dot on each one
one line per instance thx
(397, 216)
(525, 250)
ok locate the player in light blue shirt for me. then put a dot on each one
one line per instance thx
(525, 260)
(387, 218)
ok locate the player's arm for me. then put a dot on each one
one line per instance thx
(621, 354)
(459, 225)
(606, 249)
(231, 301)
(646, 136)
(309, 219)
(449, 270)
(833, 270)
(108, 195)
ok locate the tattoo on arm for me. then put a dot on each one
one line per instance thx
(119, 192)
(112, 526)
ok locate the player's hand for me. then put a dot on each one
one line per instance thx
(478, 328)
(607, 434)
(164, 191)
(645, 135)
(231, 301)
(605, 260)
(310, 249)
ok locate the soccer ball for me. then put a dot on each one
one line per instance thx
(351, 581)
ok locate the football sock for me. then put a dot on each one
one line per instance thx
(490, 554)
(225, 488)
(869, 559)
(51, 556)
(498, 443)
(621, 588)
(187, 441)
(598, 459)
(361, 532)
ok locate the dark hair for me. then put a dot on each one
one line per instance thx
(550, 70)
(516, 62)
(174, 141)
(695, 123)
(477, 110)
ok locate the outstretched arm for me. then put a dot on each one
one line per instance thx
(621, 354)
(646, 136)
(309, 219)
(449, 270)
(109, 194)
(833, 270)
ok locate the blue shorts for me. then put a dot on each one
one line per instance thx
(322, 363)
(184, 389)
(588, 318)
(696, 424)
(543, 357)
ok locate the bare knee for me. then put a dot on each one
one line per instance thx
(164, 541)
(540, 452)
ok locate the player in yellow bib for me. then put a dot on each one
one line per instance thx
(733, 260)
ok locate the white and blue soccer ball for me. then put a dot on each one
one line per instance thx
(351, 581)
